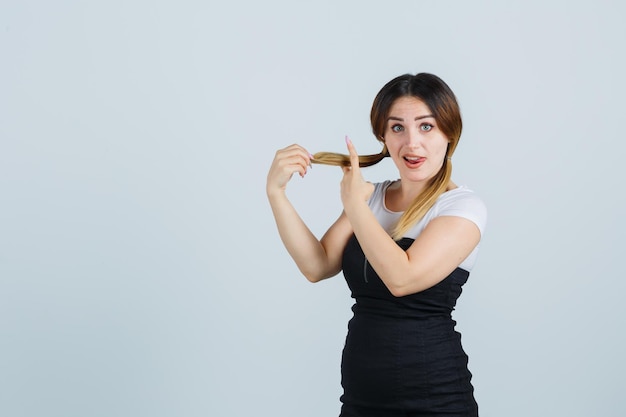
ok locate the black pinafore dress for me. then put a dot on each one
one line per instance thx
(402, 355)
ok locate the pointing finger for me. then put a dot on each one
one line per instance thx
(354, 156)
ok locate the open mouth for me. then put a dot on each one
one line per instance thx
(414, 160)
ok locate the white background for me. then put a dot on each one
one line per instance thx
(140, 270)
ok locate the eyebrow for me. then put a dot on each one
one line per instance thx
(417, 118)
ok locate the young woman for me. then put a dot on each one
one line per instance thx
(405, 247)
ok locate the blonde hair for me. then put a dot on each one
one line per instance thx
(441, 101)
(342, 160)
(424, 201)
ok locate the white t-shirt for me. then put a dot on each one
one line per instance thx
(460, 202)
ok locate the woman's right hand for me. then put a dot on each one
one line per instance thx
(287, 161)
(316, 258)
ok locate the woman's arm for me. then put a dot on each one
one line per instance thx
(438, 250)
(316, 259)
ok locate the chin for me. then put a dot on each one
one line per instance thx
(415, 176)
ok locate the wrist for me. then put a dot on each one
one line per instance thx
(354, 206)
(275, 193)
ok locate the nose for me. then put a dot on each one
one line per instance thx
(414, 138)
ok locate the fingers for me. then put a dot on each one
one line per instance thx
(354, 156)
(291, 160)
(294, 155)
(293, 151)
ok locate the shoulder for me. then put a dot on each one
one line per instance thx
(387, 219)
(382, 186)
(462, 202)
(379, 191)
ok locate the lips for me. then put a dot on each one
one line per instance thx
(414, 161)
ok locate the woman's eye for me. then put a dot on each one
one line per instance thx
(397, 128)
(426, 127)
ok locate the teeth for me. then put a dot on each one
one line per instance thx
(411, 158)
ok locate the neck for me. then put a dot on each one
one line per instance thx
(401, 194)
(407, 192)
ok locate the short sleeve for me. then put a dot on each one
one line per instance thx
(466, 204)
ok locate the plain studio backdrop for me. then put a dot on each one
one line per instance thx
(140, 270)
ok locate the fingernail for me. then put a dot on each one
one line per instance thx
(347, 140)
(311, 156)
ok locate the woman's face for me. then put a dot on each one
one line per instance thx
(414, 140)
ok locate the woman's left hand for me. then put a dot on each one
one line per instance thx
(354, 189)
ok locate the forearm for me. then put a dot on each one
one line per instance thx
(390, 262)
(302, 245)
